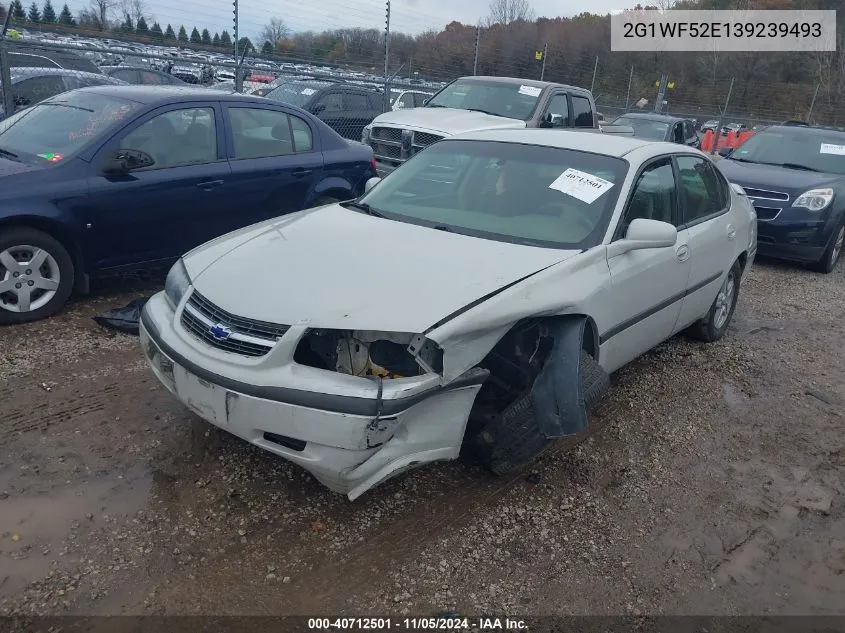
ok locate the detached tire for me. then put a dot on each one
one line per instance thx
(513, 439)
(714, 325)
(36, 275)
(833, 251)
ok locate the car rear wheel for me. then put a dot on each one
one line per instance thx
(513, 439)
(831, 254)
(714, 325)
(36, 275)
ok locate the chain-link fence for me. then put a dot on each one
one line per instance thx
(347, 86)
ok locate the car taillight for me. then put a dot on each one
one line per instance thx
(373, 165)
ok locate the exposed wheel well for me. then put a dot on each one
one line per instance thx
(59, 233)
(742, 259)
(519, 356)
(336, 193)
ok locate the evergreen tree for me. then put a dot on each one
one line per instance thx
(226, 39)
(183, 34)
(155, 31)
(206, 37)
(195, 36)
(141, 27)
(34, 14)
(245, 45)
(18, 14)
(169, 34)
(127, 26)
(48, 14)
(215, 41)
(66, 17)
(267, 49)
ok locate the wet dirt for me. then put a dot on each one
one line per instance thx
(711, 482)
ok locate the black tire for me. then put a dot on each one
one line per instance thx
(513, 439)
(708, 329)
(833, 251)
(24, 236)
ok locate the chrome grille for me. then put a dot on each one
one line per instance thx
(765, 194)
(387, 151)
(246, 337)
(423, 139)
(387, 134)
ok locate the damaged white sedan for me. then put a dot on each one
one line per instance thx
(477, 297)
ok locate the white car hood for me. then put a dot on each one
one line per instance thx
(447, 121)
(332, 267)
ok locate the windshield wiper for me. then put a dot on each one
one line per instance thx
(66, 105)
(741, 160)
(8, 154)
(363, 206)
(434, 105)
(443, 227)
(482, 111)
(797, 166)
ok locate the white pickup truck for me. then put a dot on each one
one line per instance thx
(472, 104)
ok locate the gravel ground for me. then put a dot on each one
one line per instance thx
(711, 483)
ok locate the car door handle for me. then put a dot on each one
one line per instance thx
(683, 253)
(299, 172)
(208, 185)
(731, 231)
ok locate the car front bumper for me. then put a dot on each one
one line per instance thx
(349, 434)
(795, 240)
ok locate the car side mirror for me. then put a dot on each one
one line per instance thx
(123, 161)
(642, 234)
(553, 120)
(739, 190)
(372, 182)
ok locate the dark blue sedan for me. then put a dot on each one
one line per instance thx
(795, 176)
(108, 179)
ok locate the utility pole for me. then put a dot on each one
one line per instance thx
(5, 70)
(543, 67)
(477, 43)
(722, 116)
(595, 69)
(661, 93)
(812, 103)
(628, 96)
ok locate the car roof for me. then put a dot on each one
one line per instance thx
(161, 95)
(594, 142)
(813, 130)
(516, 81)
(26, 72)
(646, 116)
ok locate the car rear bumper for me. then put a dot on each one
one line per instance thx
(350, 443)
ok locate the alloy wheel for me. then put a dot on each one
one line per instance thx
(29, 278)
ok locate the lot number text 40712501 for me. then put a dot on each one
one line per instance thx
(417, 624)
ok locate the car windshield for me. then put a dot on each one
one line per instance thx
(796, 147)
(297, 93)
(510, 100)
(526, 194)
(57, 128)
(645, 128)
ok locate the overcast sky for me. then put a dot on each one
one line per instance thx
(410, 16)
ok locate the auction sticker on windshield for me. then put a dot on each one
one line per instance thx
(531, 91)
(830, 148)
(308, 91)
(581, 185)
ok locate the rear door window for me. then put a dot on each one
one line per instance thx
(582, 112)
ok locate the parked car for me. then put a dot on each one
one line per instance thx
(192, 72)
(661, 127)
(524, 267)
(407, 99)
(795, 176)
(711, 125)
(22, 56)
(345, 108)
(33, 85)
(733, 127)
(109, 179)
(479, 103)
(141, 75)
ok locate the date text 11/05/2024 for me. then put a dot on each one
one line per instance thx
(417, 624)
